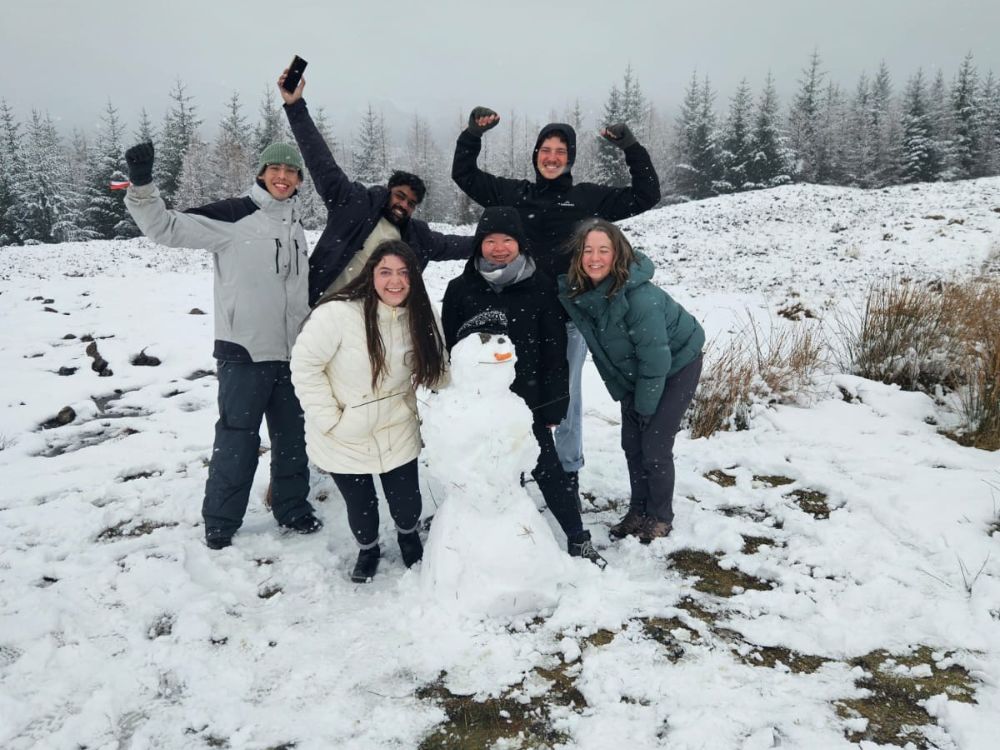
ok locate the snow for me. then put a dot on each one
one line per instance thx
(112, 640)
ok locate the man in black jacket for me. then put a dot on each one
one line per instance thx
(358, 218)
(551, 207)
(502, 291)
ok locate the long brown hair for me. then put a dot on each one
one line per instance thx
(428, 346)
(578, 280)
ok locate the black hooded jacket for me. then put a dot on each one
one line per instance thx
(552, 209)
(353, 210)
(535, 321)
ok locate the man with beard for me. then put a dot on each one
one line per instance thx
(358, 218)
(551, 207)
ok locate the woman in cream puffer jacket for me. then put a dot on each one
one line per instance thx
(355, 366)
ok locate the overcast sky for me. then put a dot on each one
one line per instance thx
(442, 57)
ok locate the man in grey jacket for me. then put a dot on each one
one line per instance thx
(261, 298)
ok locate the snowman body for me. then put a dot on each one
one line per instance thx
(489, 550)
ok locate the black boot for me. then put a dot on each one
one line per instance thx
(583, 547)
(367, 564)
(307, 524)
(411, 548)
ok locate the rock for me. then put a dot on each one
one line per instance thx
(69, 337)
(196, 311)
(66, 371)
(145, 360)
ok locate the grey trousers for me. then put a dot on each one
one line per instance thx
(649, 452)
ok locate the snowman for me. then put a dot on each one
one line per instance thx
(489, 551)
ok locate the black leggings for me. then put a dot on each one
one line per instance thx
(402, 491)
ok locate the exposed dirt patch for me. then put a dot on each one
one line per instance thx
(772, 656)
(812, 502)
(721, 478)
(65, 416)
(140, 475)
(711, 577)
(476, 724)
(751, 544)
(129, 529)
(772, 480)
(161, 626)
(145, 360)
(197, 374)
(670, 633)
(896, 685)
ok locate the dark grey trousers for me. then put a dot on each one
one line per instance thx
(649, 452)
(249, 393)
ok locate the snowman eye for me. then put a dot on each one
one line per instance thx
(501, 340)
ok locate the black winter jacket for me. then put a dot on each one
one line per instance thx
(353, 210)
(535, 322)
(552, 209)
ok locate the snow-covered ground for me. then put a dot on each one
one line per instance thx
(120, 629)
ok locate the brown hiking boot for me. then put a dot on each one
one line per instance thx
(630, 524)
(653, 528)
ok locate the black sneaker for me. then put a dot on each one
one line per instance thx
(307, 524)
(411, 548)
(219, 542)
(367, 564)
(585, 549)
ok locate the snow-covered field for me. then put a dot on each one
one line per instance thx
(120, 629)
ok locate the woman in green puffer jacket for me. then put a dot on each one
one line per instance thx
(647, 349)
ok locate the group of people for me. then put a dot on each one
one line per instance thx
(330, 347)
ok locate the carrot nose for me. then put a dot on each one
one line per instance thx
(502, 356)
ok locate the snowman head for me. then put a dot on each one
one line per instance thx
(485, 359)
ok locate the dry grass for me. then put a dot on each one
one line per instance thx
(929, 337)
(754, 367)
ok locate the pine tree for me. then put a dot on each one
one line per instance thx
(197, 184)
(921, 161)
(106, 214)
(965, 111)
(231, 161)
(884, 167)
(831, 144)
(736, 143)
(369, 150)
(942, 126)
(145, 133)
(804, 124)
(697, 170)
(609, 167)
(45, 207)
(769, 166)
(989, 125)
(272, 127)
(179, 128)
(10, 165)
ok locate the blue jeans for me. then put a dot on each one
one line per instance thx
(569, 433)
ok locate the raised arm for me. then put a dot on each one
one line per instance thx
(333, 186)
(484, 188)
(156, 221)
(615, 204)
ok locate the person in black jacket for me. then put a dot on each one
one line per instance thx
(358, 218)
(502, 291)
(551, 207)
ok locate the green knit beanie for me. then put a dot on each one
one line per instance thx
(279, 153)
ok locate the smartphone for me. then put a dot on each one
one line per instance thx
(295, 71)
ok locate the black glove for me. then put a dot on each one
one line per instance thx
(643, 420)
(140, 164)
(478, 112)
(620, 135)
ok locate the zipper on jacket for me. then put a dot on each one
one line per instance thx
(277, 251)
(296, 256)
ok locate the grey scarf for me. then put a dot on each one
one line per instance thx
(498, 277)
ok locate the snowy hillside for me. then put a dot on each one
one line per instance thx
(827, 565)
